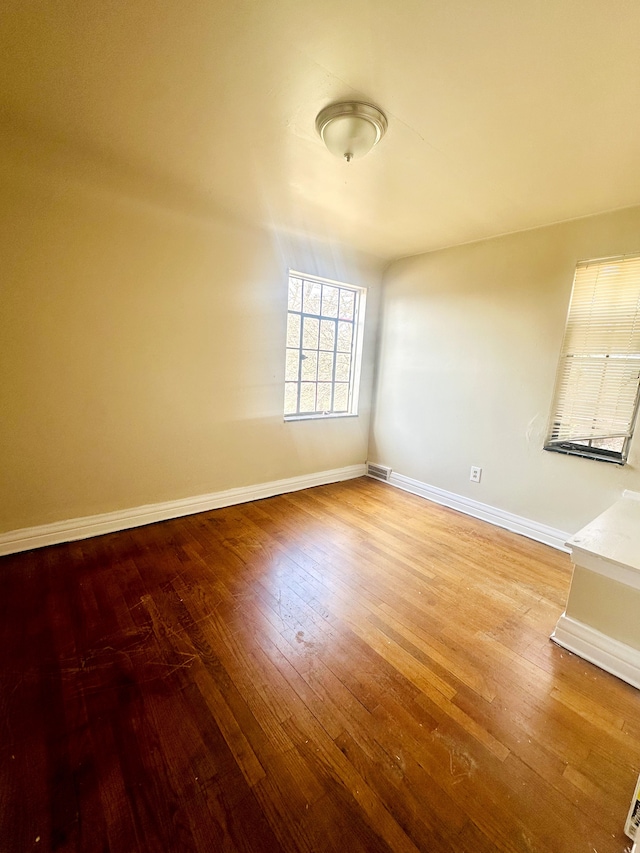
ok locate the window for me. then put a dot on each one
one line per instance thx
(324, 347)
(596, 396)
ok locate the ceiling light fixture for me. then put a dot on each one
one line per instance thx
(351, 129)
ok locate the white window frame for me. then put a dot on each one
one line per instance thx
(357, 338)
(595, 405)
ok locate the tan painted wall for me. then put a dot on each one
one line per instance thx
(468, 353)
(142, 344)
(606, 605)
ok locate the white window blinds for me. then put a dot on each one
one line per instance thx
(596, 395)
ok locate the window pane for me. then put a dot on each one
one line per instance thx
(295, 294)
(343, 367)
(293, 361)
(310, 333)
(322, 339)
(344, 337)
(309, 365)
(347, 303)
(324, 396)
(325, 366)
(308, 397)
(614, 444)
(290, 398)
(330, 301)
(312, 291)
(293, 330)
(327, 334)
(341, 397)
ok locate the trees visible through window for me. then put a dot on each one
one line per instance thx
(324, 347)
(596, 397)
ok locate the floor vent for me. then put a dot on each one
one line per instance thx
(378, 472)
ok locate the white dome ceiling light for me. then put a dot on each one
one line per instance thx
(351, 129)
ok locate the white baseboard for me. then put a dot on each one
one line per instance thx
(94, 525)
(611, 655)
(498, 517)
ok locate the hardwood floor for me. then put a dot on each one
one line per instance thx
(345, 668)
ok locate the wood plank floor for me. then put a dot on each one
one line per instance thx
(345, 668)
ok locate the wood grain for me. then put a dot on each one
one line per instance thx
(345, 668)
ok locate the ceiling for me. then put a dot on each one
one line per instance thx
(503, 114)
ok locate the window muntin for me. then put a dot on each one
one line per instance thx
(597, 387)
(323, 347)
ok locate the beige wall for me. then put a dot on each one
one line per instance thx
(607, 605)
(468, 352)
(142, 351)
(142, 346)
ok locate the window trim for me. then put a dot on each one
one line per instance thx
(356, 347)
(583, 326)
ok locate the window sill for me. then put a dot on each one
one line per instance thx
(585, 454)
(329, 417)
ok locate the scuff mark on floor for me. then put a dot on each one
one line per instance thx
(461, 764)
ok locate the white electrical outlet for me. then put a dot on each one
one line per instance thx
(475, 475)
